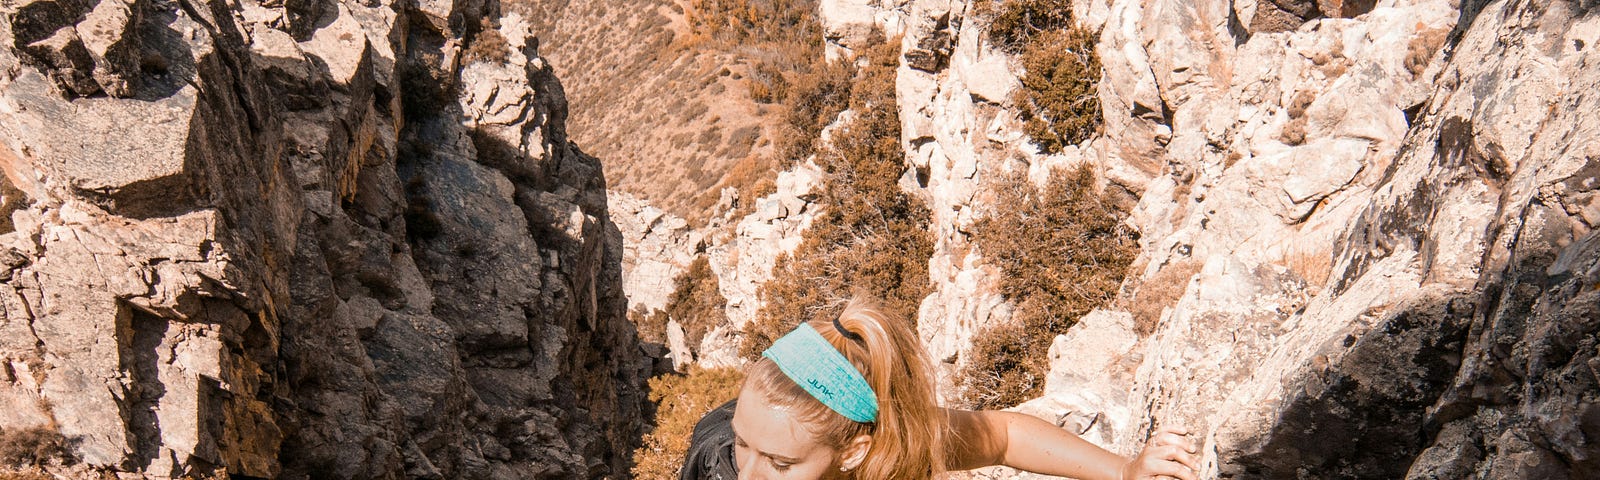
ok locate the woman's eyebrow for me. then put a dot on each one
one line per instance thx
(740, 439)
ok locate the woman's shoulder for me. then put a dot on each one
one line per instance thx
(710, 455)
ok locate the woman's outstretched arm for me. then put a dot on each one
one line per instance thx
(985, 438)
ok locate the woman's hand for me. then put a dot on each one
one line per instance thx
(1167, 455)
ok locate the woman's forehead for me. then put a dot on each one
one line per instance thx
(771, 429)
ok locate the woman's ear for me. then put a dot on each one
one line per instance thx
(855, 452)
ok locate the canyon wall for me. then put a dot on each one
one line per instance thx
(305, 239)
(1366, 229)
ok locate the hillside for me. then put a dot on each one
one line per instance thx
(664, 104)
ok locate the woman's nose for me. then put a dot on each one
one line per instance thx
(747, 468)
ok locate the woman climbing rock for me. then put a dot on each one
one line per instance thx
(853, 398)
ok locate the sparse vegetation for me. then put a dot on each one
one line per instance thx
(696, 304)
(28, 448)
(1162, 290)
(680, 402)
(1018, 23)
(488, 44)
(871, 236)
(1422, 49)
(1058, 100)
(1294, 132)
(1062, 252)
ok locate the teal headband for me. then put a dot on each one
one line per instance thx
(813, 363)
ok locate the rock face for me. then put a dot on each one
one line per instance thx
(743, 261)
(298, 240)
(1375, 218)
(657, 247)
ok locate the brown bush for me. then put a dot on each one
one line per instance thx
(870, 237)
(651, 323)
(34, 447)
(814, 99)
(488, 44)
(696, 303)
(1294, 132)
(1061, 252)
(1019, 22)
(1422, 49)
(25, 474)
(1162, 290)
(767, 84)
(1058, 98)
(680, 402)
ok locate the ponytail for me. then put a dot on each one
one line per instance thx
(908, 436)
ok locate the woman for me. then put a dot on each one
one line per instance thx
(853, 398)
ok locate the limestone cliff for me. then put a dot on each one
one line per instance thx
(1374, 219)
(305, 239)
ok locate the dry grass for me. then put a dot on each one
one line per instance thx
(1160, 291)
(870, 237)
(488, 45)
(1422, 49)
(1294, 132)
(1058, 100)
(1061, 252)
(25, 474)
(665, 68)
(680, 402)
(27, 448)
(696, 304)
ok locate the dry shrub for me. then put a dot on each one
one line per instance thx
(1294, 132)
(1061, 252)
(25, 474)
(1302, 100)
(814, 99)
(752, 178)
(1019, 22)
(1422, 49)
(1162, 290)
(870, 238)
(680, 402)
(1058, 100)
(34, 447)
(696, 303)
(745, 22)
(767, 84)
(651, 324)
(488, 44)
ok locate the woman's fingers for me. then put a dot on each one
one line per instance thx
(1155, 467)
(1168, 438)
(1169, 454)
(1183, 458)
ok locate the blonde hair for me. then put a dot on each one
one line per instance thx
(908, 437)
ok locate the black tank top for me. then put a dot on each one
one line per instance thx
(710, 455)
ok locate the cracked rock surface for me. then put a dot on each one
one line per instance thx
(304, 239)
